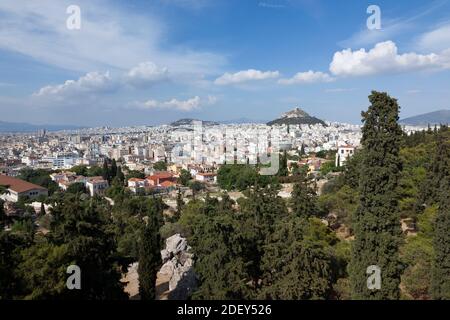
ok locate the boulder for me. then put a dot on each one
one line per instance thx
(178, 268)
(176, 244)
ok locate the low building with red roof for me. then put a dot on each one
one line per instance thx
(159, 177)
(20, 188)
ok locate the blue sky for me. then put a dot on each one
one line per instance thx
(155, 61)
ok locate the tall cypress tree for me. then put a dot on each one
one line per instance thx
(120, 176)
(149, 253)
(42, 211)
(105, 172)
(440, 285)
(376, 221)
(180, 205)
(302, 150)
(2, 215)
(113, 172)
(283, 170)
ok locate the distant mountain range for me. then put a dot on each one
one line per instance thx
(27, 127)
(296, 116)
(435, 117)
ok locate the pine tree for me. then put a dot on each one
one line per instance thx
(376, 221)
(84, 227)
(304, 198)
(296, 266)
(441, 266)
(149, 253)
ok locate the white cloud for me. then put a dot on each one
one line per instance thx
(307, 77)
(175, 104)
(145, 74)
(108, 38)
(183, 105)
(437, 40)
(245, 76)
(92, 82)
(384, 58)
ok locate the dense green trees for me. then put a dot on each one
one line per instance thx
(11, 245)
(135, 174)
(304, 199)
(260, 250)
(43, 270)
(418, 181)
(376, 222)
(296, 266)
(417, 256)
(84, 226)
(220, 263)
(81, 234)
(240, 177)
(160, 166)
(441, 192)
(77, 187)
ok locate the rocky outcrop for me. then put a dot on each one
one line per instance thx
(178, 268)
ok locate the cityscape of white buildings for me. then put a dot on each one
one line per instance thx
(194, 144)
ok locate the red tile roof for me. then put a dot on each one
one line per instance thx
(161, 175)
(167, 184)
(18, 185)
